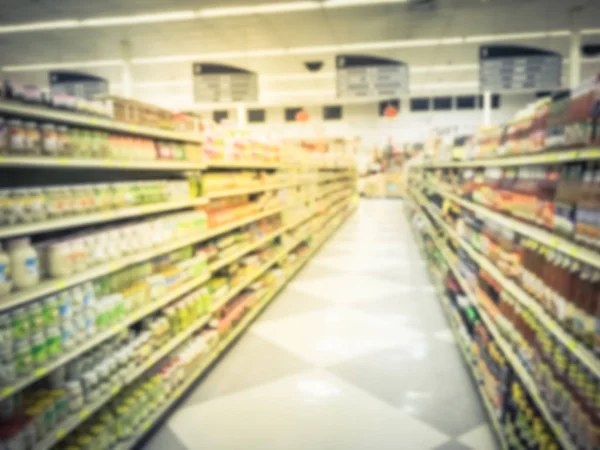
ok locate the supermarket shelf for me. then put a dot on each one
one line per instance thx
(539, 234)
(54, 285)
(74, 421)
(72, 118)
(243, 165)
(101, 217)
(243, 191)
(220, 348)
(586, 356)
(222, 262)
(550, 157)
(247, 282)
(148, 309)
(466, 356)
(114, 330)
(507, 349)
(61, 163)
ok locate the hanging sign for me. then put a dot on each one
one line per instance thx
(75, 84)
(215, 83)
(507, 67)
(370, 76)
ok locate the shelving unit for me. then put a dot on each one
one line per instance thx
(439, 182)
(509, 353)
(550, 157)
(454, 327)
(8, 108)
(336, 199)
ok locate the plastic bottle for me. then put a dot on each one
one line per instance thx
(24, 263)
(5, 278)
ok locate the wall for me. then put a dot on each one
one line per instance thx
(363, 120)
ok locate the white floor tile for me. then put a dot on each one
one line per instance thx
(334, 335)
(480, 438)
(313, 410)
(344, 289)
(445, 335)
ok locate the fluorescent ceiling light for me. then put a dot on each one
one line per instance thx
(452, 40)
(517, 36)
(347, 3)
(170, 16)
(267, 8)
(63, 65)
(144, 18)
(590, 31)
(39, 26)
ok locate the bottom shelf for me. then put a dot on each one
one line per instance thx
(220, 347)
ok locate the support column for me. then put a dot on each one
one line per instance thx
(241, 116)
(575, 59)
(127, 77)
(487, 108)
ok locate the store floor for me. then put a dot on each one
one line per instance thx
(354, 354)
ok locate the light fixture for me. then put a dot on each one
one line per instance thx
(347, 3)
(63, 65)
(267, 8)
(39, 26)
(144, 18)
(516, 36)
(590, 31)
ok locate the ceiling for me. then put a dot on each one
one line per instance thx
(276, 44)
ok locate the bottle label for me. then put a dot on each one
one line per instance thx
(31, 265)
(4, 273)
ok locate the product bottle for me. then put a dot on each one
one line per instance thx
(5, 277)
(24, 263)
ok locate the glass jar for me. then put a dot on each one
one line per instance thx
(33, 141)
(50, 144)
(16, 137)
(63, 139)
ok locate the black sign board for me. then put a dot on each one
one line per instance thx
(214, 83)
(503, 68)
(77, 84)
(370, 76)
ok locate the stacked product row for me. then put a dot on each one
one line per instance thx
(513, 412)
(538, 303)
(116, 294)
(568, 119)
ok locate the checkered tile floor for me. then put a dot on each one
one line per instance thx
(354, 354)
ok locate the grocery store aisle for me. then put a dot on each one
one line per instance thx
(354, 354)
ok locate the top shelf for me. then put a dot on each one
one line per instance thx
(560, 156)
(71, 118)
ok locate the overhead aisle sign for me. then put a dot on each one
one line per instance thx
(505, 68)
(370, 76)
(216, 83)
(77, 84)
